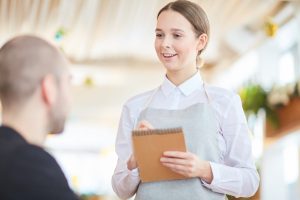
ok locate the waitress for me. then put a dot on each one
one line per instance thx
(218, 161)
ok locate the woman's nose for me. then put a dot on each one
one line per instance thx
(166, 43)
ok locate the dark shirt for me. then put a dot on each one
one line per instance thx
(28, 172)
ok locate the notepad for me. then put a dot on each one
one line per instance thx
(148, 147)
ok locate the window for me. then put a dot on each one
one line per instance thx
(288, 69)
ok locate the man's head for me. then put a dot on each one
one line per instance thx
(34, 71)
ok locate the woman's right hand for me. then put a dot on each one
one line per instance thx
(142, 125)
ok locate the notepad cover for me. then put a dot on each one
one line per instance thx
(148, 147)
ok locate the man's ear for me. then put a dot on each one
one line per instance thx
(202, 41)
(49, 89)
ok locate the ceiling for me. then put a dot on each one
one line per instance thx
(111, 42)
(103, 32)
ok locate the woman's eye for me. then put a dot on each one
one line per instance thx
(159, 35)
(177, 36)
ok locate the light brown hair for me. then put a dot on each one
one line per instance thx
(193, 13)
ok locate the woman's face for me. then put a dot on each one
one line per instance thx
(176, 44)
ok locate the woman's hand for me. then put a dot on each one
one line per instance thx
(187, 164)
(142, 125)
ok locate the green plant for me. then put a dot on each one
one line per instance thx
(254, 98)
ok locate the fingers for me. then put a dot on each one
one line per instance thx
(178, 157)
(178, 154)
(176, 168)
(181, 169)
(174, 161)
(144, 125)
(184, 163)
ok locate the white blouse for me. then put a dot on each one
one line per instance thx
(234, 174)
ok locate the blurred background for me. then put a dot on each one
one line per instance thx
(253, 50)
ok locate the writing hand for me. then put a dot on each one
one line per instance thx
(144, 125)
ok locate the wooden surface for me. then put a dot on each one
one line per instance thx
(289, 118)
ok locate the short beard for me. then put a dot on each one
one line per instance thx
(57, 119)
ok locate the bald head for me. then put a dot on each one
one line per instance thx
(24, 62)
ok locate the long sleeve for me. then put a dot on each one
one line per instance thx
(237, 174)
(124, 181)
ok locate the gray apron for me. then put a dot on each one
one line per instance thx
(201, 136)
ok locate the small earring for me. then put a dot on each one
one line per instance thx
(200, 62)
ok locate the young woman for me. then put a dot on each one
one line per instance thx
(218, 160)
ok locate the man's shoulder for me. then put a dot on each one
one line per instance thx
(14, 147)
(33, 153)
(32, 159)
(30, 168)
(19, 157)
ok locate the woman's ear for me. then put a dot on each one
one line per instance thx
(49, 89)
(202, 41)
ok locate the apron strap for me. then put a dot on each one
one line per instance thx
(146, 104)
(209, 102)
(206, 93)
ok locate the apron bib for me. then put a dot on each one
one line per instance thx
(201, 136)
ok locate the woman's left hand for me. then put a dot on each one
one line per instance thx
(187, 164)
